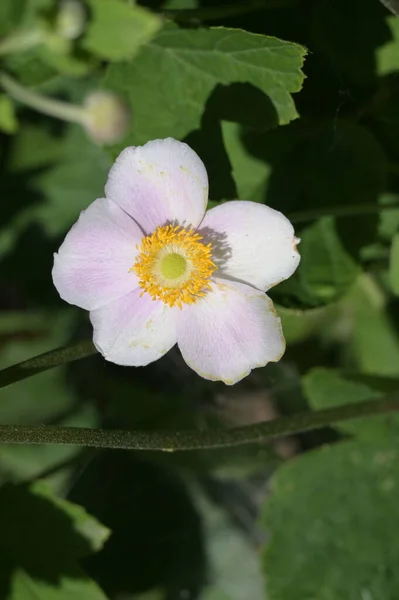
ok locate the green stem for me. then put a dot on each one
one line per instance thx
(215, 13)
(45, 361)
(195, 440)
(341, 211)
(43, 104)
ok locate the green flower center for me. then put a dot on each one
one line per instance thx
(173, 266)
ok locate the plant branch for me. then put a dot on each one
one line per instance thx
(194, 440)
(45, 361)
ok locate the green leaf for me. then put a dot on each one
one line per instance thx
(326, 387)
(394, 265)
(233, 556)
(117, 29)
(11, 13)
(8, 120)
(151, 595)
(387, 56)
(374, 341)
(86, 527)
(342, 166)
(21, 16)
(156, 539)
(250, 173)
(180, 4)
(76, 180)
(389, 219)
(42, 539)
(352, 56)
(384, 112)
(34, 147)
(30, 69)
(323, 167)
(25, 587)
(326, 271)
(300, 325)
(170, 80)
(45, 398)
(333, 518)
(62, 61)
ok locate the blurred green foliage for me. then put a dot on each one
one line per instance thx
(291, 103)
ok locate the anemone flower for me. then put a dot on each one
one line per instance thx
(155, 269)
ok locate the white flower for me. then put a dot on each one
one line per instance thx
(154, 269)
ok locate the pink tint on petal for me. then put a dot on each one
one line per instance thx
(91, 268)
(232, 330)
(160, 182)
(134, 330)
(255, 244)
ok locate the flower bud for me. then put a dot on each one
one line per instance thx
(71, 19)
(107, 117)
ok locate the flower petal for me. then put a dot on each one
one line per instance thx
(160, 182)
(253, 243)
(92, 265)
(232, 330)
(134, 330)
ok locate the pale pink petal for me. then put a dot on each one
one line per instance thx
(160, 182)
(253, 243)
(134, 330)
(92, 265)
(232, 330)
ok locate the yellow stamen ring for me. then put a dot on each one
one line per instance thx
(174, 265)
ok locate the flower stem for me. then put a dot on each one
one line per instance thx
(214, 13)
(195, 440)
(341, 211)
(45, 361)
(43, 104)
